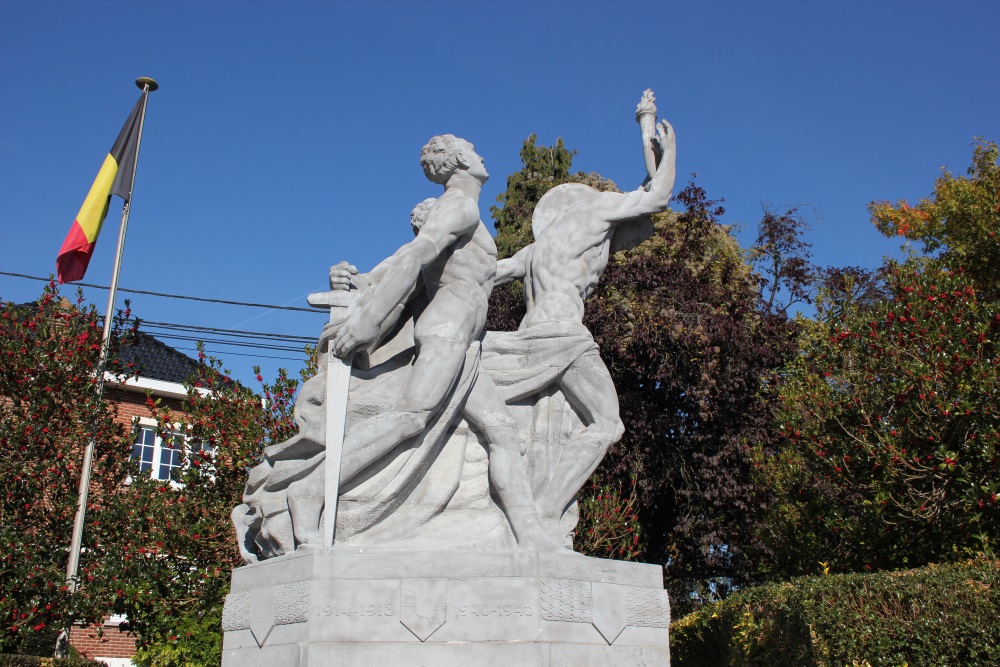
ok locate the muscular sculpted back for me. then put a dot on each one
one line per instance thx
(566, 262)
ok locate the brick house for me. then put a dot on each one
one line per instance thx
(108, 643)
(162, 371)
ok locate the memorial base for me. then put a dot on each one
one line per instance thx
(444, 608)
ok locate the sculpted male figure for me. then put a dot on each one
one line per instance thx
(573, 226)
(454, 257)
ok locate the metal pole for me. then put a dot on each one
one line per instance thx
(73, 564)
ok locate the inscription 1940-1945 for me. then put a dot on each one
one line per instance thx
(498, 610)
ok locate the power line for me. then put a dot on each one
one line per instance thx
(216, 336)
(227, 337)
(173, 296)
(243, 354)
(232, 332)
(233, 343)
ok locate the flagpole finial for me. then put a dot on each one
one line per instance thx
(144, 81)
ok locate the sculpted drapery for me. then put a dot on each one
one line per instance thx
(455, 437)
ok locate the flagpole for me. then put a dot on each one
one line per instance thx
(73, 565)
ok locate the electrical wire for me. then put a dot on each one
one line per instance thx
(174, 296)
(219, 337)
(146, 324)
(243, 354)
(232, 343)
(227, 338)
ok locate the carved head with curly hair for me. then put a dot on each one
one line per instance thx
(445, 155)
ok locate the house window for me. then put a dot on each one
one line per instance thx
(161, 457)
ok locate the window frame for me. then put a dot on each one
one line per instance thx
(161, 448)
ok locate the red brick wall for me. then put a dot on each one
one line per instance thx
(114, 643)
(132, 404)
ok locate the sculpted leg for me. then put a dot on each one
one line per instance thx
(436, 369)
(305, 507)
(589, 388)
(306, 512)
(486, 411)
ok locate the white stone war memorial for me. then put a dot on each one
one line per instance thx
(424, 514)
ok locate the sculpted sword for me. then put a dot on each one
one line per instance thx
(338, 380)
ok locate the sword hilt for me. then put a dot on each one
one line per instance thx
(331, 299)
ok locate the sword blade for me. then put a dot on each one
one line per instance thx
(338, 381)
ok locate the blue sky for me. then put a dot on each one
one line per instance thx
(285, 135)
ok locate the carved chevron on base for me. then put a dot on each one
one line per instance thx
(445, 608)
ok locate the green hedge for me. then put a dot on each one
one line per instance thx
(36, 661)
(946, 615)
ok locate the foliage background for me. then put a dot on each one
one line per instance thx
(945, 615)
(888, 427)
(48, 412)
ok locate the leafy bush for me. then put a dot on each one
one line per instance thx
(197, 643)
(890, 431)
(48, 413)
(938, 615)
(37, 661)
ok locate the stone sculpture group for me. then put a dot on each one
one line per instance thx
(423, 434)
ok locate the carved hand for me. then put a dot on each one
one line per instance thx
(665, 144)
(357, 330)
(330, 329)
(341, 275)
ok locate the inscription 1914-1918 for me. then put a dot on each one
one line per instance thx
(381, 609)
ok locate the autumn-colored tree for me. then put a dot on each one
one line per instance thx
(49, 410)
(959, 222)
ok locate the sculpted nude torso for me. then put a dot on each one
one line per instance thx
(457, 284)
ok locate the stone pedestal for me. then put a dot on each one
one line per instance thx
(443, 608)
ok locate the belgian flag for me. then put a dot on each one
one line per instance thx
(114, 178)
